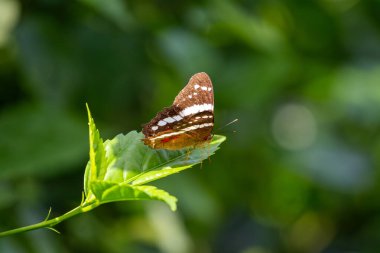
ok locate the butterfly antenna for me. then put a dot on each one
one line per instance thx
(235, 120)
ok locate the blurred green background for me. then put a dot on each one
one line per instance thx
(299, 174)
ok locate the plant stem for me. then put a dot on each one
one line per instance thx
(85, 207)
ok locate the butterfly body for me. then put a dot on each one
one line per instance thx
(188, 122)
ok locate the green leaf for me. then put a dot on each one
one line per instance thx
(126, 157)
(96, 166)
(119, 167)
(110, 192)
(177, 161)
(129, 160)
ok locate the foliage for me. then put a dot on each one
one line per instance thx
(119, 168)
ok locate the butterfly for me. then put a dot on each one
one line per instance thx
(188, 122)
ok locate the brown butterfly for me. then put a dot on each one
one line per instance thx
(188, 122)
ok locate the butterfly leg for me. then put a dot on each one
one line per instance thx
(188, 152)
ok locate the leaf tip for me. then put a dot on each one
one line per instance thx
(173, 207)
(88, 113)
(218, 139)
(172, 203)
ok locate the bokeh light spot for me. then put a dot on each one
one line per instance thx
(9, 12)
(294, 127)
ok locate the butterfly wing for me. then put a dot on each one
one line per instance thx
(188, 122)
(198, 91)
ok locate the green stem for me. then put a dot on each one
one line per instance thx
(85, 207)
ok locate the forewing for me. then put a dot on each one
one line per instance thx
(189, 121)
(198, 91)
(195, 99)
(163, 121)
